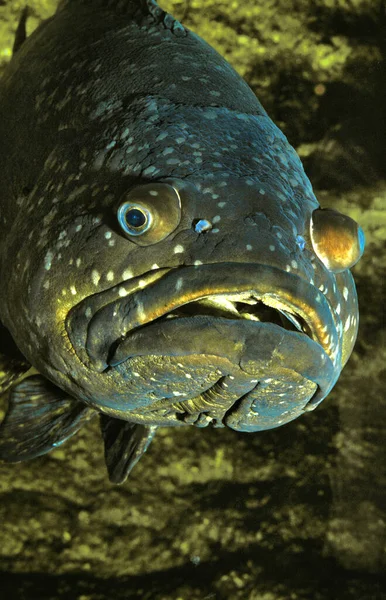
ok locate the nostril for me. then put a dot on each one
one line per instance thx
(301, 242)
(201, 225)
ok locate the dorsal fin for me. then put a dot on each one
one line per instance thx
(21, 31)
(132, 7)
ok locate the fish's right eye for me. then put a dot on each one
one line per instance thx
(134, 218)
(148, 213)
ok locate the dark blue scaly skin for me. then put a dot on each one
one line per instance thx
(105, 97)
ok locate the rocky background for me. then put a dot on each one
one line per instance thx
(297, 513)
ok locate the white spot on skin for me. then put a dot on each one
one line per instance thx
(110, 276)
(48, 260)
(272, 248)
(153, 193)
(149, 170)
(127, 274)
(294, 264)
(155, 266)
(179, 284)
(345, 293)
(216, 219)
(197, 263)
(188, 376)
(178, 249)
(95, 276)
(162, 136)
(73, 290)
(221, 204)
(248, 247)
(108, 235)
(122, 292)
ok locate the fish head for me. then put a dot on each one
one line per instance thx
(188, 279)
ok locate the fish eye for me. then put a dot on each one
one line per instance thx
(148, 213)
(338, 240)
(134, 218)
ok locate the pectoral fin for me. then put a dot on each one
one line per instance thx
(40, 417)
(12, 363)
(125, 443)
(10, 371)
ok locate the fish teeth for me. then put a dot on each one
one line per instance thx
(220, 303)
(292, 319)
(249, 316)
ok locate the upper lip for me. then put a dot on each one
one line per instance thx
(99, 323)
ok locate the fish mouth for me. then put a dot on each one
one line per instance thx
(199, 309)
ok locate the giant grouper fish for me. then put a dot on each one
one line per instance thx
(163, 258)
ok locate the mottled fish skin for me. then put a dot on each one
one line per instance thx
(106, 98)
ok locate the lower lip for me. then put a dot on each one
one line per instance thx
(262, 349)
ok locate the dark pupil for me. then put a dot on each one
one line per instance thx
(135, 217)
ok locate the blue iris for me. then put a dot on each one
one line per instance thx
(361, 239)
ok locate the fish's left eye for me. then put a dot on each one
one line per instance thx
(148, 213)
(338, 240)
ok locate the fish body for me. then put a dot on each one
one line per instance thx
(164, 260)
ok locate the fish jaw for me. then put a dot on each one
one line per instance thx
(186, 319)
